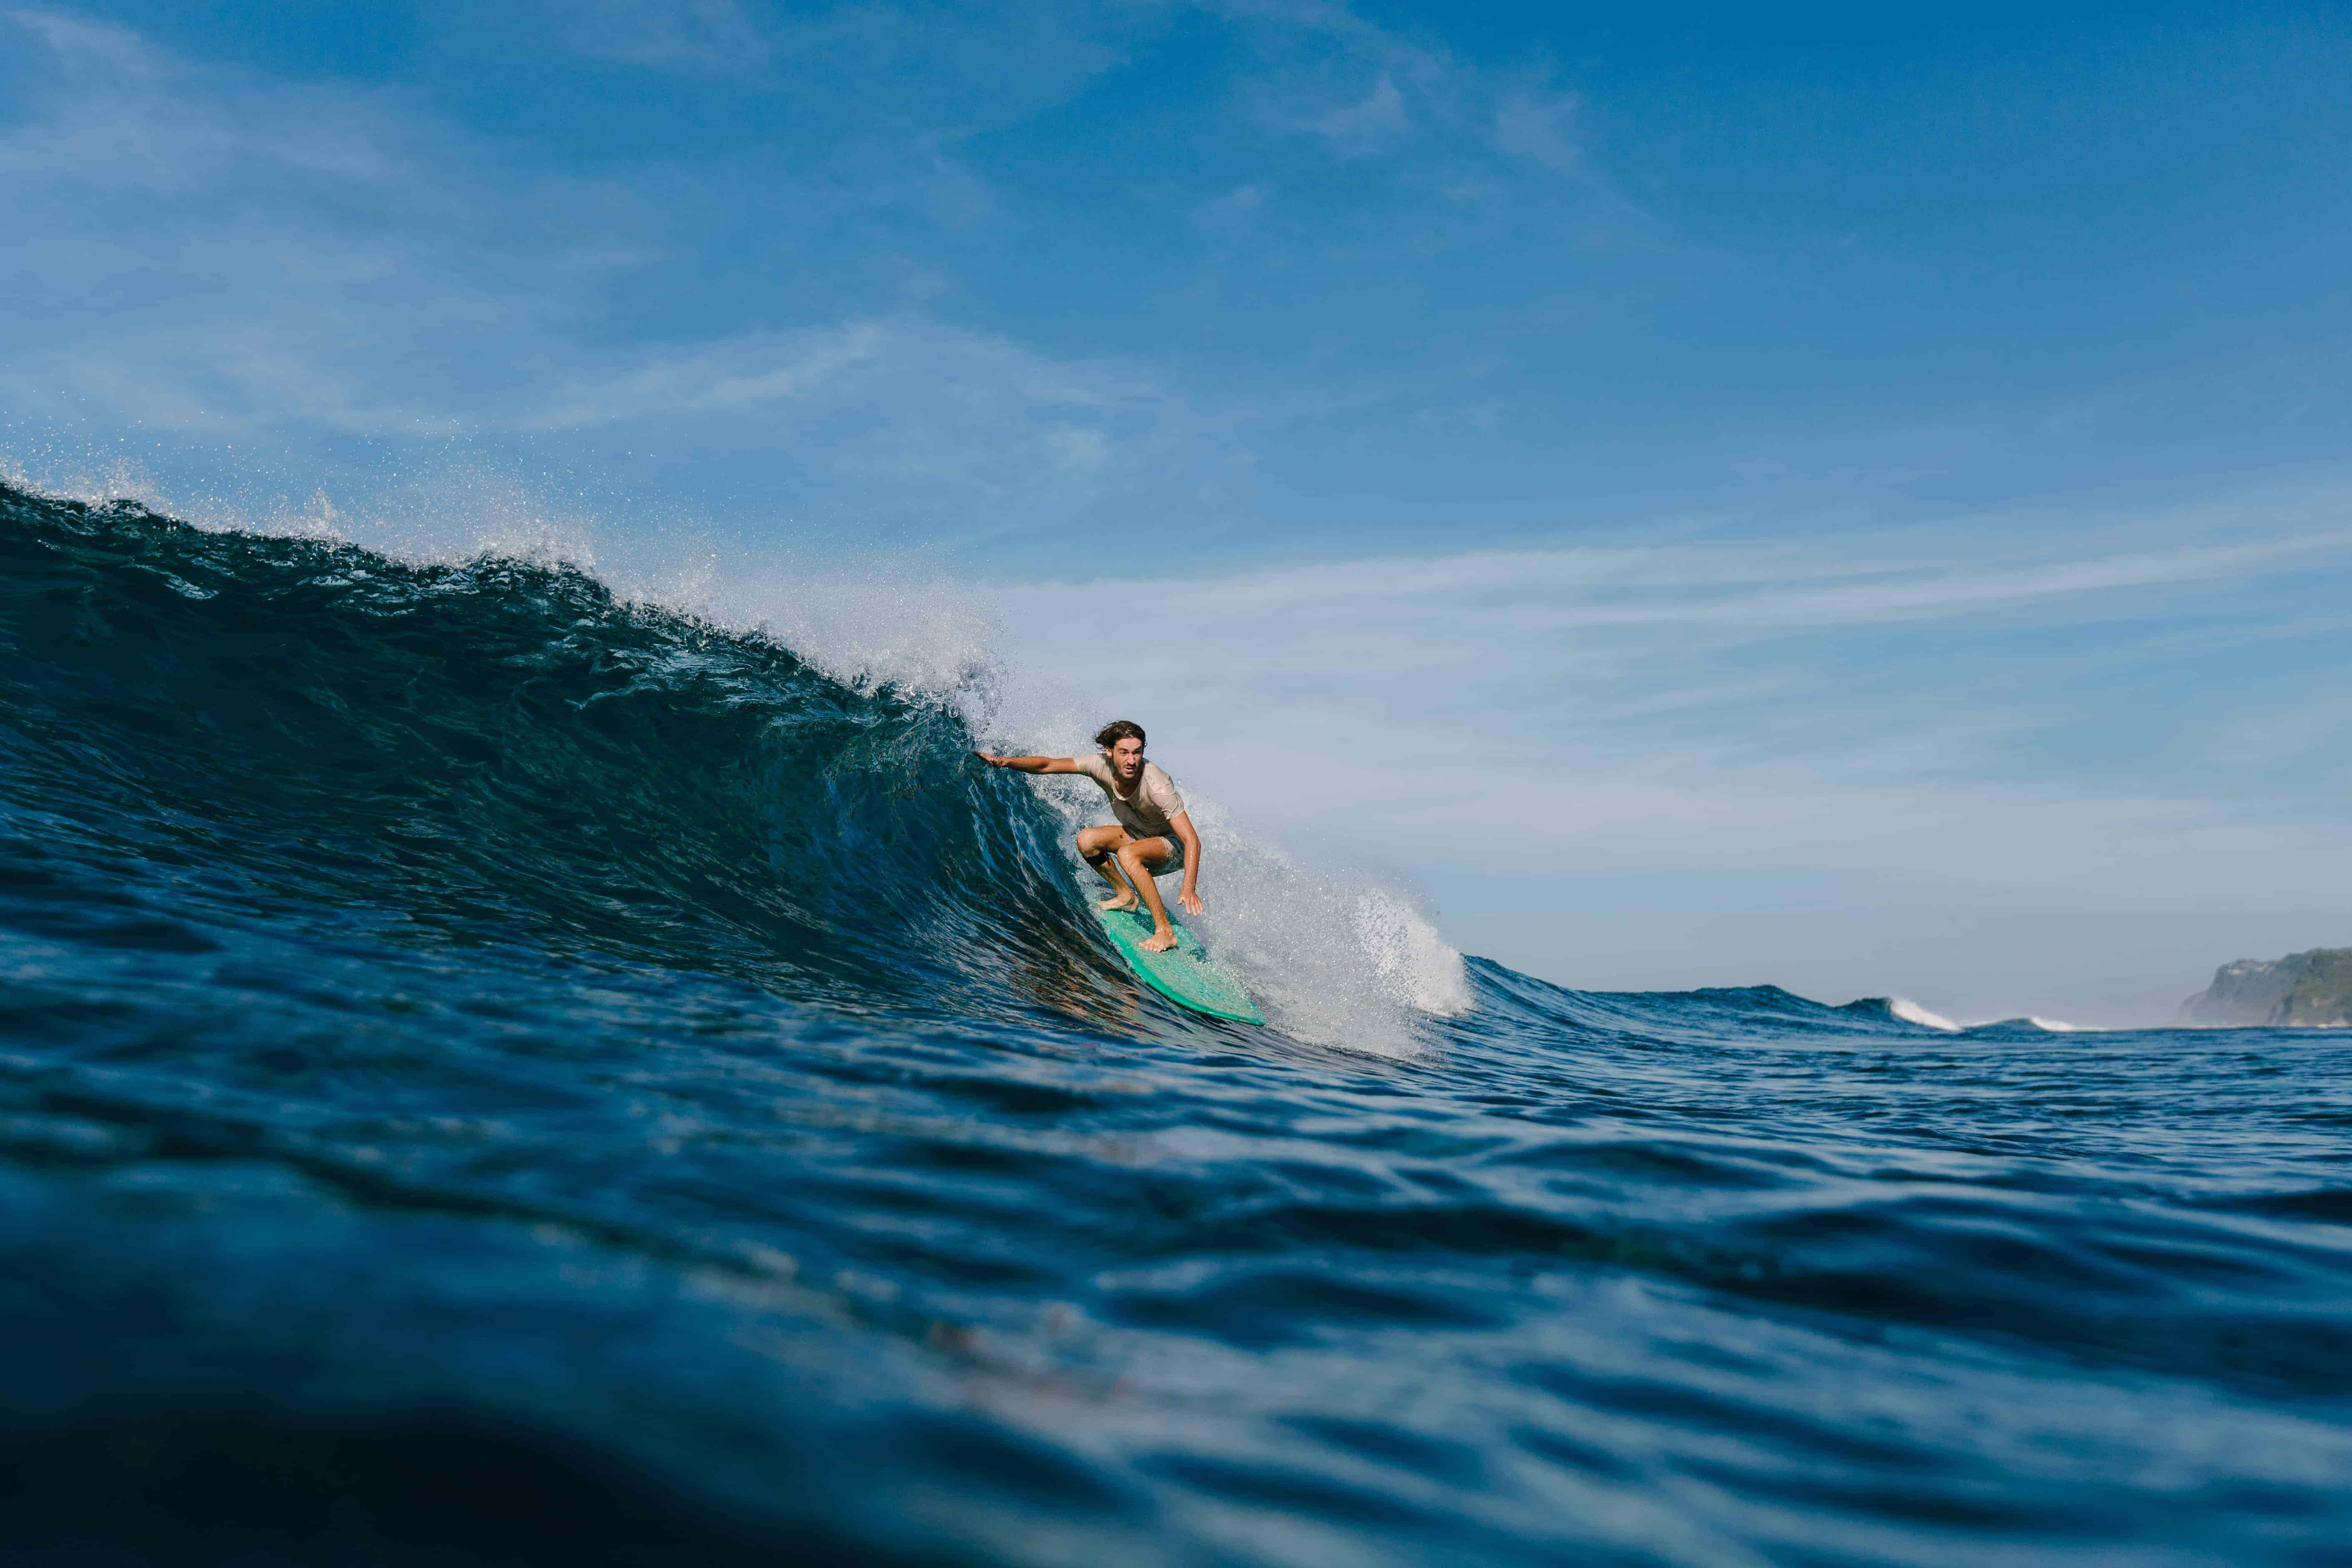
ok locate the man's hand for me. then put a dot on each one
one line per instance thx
(1188, 901)
(991, 759)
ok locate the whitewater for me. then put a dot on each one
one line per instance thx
(495, 1069)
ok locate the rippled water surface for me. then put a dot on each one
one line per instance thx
(490, 1073)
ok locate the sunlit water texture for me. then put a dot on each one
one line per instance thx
(489, 1072)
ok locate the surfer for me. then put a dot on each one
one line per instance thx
(1153, 836)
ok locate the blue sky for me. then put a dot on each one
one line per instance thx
(1855, 497)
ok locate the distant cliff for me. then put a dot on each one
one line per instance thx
(2303, 990)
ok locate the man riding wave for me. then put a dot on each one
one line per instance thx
(1152, 838)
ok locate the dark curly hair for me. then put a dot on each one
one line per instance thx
(1119, 729)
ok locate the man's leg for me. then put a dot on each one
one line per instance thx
(1137, 859)
(1100, 846)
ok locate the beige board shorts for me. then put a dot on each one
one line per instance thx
(1175, 861)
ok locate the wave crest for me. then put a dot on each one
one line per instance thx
(503, 754)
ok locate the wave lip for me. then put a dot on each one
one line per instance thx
(503, 754)
(2028, 1026)
(1910, 1012)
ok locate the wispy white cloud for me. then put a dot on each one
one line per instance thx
(720, 36)
(1357, 89)
(912, 412)
(921, 76)
(1231, 210)
(1536, 122)
(1859, 703)
(78, 42)
(217, 256)
(1376, 121)
(115, 118)
(226, 259)
(1576, 611)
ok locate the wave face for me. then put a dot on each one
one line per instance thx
(489, 1072)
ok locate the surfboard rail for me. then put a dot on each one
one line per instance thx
(1186, 973)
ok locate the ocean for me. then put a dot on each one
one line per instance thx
(496, 1071)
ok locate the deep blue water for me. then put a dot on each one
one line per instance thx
(492, 1074)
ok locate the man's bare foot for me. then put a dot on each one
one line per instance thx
(1159, 942)
(1113, 906)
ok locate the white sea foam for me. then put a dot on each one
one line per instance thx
(93, 483)
(878, 623)
(1911, 1011)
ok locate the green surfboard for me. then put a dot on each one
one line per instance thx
(1185, 973)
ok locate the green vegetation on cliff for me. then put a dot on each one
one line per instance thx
(2322, 998)
(2303, 990)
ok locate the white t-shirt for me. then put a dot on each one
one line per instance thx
(1146, 812)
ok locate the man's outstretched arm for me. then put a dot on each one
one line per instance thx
(1030, 765)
